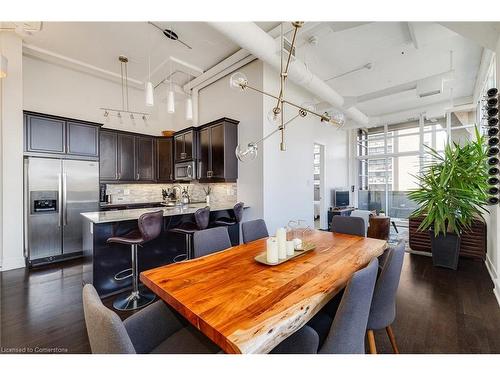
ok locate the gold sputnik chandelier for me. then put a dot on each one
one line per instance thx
(277, 114)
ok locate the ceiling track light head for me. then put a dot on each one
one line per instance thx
(298, 24)
(123, 59)
(302, 112)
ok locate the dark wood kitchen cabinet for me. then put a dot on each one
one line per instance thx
(217, 160)
(164, 159)
(44, 134)
(126, 157)
(108, 162)
(82, 139)
(49, 134)
(145, 159)
(185, 145)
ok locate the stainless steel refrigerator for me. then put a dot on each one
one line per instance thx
(56, 192)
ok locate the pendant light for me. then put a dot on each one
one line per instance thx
(171, 97)
(150, 99)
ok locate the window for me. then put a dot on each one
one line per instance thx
(390, 156)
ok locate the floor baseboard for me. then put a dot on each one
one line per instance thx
(494, 279)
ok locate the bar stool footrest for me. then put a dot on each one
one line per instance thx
(118, 276)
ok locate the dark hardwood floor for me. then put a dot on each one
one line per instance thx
(438, 310)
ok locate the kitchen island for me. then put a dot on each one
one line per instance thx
(102, 261)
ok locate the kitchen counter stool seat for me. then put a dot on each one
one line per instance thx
(227, 221)
(201, 217)
(149, 228)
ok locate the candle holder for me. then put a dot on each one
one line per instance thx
(298, 231)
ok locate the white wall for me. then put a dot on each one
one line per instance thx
(11, 149)
(218, 100)
(278, 186)
(288, 176)
(58, 90)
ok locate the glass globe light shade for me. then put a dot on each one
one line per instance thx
(338, 118)
(237, 80)
(274, 117)
(248, 153)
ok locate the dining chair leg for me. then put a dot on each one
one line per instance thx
(392, 339)
(371, 341)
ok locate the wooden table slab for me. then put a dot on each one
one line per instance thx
(247, 307)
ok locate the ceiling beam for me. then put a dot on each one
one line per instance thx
(412, 34)
(55, 58)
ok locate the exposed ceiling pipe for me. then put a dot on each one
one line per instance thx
(256, 41)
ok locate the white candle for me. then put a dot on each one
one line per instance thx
(298, 243)
(281, 238)
(272, 250)
(290, 247)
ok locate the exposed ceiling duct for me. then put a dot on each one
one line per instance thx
(256, 41)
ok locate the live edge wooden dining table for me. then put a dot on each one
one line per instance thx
(247, 307)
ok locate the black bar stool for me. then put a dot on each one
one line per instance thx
(201, 217)
(227, 221)
(149, 228)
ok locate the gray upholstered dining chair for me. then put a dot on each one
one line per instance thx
(254, 230)
(349, 225)
(345, 334)
(154, 329)
(383, 308)
(210, 240)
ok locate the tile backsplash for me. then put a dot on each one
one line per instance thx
(142, 193)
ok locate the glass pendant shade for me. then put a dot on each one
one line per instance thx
(338, 118)
(150, 100)
(273, 118)
(171, 102)
(237, 80)
(189, 108)
(248, 153)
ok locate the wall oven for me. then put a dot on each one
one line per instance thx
(185, 171)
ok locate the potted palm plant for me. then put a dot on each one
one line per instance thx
(451, 193)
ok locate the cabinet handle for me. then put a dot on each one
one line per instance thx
(183, 155)
(210, 174)
(119, 175)
(138, 176)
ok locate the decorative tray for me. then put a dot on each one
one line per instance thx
(307, 246)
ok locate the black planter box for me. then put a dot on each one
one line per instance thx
(445, 250)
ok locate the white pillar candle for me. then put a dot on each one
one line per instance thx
(290, 247)
(272, 250)
(298, 243)
(281, 238)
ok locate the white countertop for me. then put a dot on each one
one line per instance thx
(133, 214)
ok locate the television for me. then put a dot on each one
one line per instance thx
(341, 198)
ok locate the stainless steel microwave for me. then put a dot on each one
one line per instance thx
(185, 171)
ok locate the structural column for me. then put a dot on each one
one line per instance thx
(11, 154)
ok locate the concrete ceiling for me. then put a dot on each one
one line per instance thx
(100, 43)
(404, 56)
